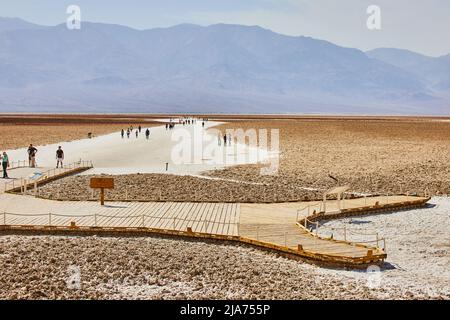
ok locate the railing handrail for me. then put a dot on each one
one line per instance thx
(47, 174)
(110, 216)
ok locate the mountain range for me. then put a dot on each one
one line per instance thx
(215, 69)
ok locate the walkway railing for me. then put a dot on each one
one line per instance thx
(18, 164)
(48, 220)
(23, 183)
(309, 217)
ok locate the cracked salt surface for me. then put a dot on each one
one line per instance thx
(417, 243)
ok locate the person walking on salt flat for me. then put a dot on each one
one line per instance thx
(147, 133)
(5, 164)
(32, 156)
(59, 157)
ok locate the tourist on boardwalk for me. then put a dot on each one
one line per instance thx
(225, 140)
(59, 157)
(140, 128)
(147, 133)
(32, 156)
(128, 133)
(219, 139)
(229, 139)
(5, 164)
(123, 133)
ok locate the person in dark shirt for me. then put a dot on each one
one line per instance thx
(32, 156)
(59, 157)
(5, 164)
(147, 133)
(122, 133)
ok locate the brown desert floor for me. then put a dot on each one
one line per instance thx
(156, 187)
(369, 155)
(19, 131)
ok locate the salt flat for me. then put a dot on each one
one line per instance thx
(418, 248)
(113, 155)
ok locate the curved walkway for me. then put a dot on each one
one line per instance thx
(271, 226)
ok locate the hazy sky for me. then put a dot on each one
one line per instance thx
(419, 25)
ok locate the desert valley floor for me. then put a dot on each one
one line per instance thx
(373, 155)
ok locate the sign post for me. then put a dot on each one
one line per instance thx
(102, 184)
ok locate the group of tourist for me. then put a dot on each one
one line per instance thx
(184, 122)
(31, 151)
(226, 139)
(137, 131)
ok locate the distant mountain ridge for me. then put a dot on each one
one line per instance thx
(220, 68)
(435, 72)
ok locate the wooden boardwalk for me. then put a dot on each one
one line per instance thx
(211, 218)
(272, 226)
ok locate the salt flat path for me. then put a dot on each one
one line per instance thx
(111, 154)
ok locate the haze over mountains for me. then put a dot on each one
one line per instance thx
(220, 69)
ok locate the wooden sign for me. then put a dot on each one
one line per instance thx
(105, 183)
(102, 184)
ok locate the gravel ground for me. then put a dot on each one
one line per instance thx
(21, 133)
(375, 156)
(44, 267)
(176, 188)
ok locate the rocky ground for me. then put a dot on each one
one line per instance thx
(18, 132)
(176, 188)
(44, 267)
(373, 156)
(376, 156)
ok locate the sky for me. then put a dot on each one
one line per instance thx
(422, 26)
